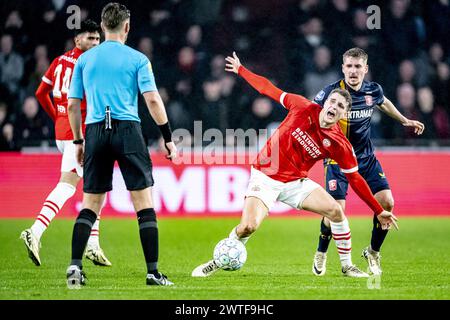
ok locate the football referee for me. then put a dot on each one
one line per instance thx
(110, 77)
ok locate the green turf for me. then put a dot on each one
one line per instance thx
(415, 261)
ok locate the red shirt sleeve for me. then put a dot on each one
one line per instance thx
(359, 185)
(291, 101)
(43, 96)
(265, 87)
(48, 77)
(261, 84)
(44, 89)
(344, 155)
(346, 158)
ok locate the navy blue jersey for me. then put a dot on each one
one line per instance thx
(356, 124)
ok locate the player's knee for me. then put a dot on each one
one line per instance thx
(388, 204)
(335, 213)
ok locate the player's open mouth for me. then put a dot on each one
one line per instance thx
(331, 114)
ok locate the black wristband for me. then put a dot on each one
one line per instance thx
(79, 141)
(166, 132)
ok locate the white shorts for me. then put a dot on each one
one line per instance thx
(269, 191)
(69, 161)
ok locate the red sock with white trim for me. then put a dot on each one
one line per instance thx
(343, 238)
(95, 231)
(51, 207)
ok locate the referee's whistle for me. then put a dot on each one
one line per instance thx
(108, 118)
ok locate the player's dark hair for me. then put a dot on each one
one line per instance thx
(114, 15)
(88, 26)
(356, 53)
(345, 94)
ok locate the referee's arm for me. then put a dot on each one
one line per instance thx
(157, 110)
(74, 112)
(156, 107)
(76, 94)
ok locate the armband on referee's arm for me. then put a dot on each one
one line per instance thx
(166, 132)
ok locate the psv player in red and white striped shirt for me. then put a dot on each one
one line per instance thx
(308, 134)
(56, 83)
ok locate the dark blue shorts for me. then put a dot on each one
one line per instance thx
(370, 169)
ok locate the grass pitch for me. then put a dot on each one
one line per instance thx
(415, 261)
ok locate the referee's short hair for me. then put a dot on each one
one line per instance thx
(114, 15)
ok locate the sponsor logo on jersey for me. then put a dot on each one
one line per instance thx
(359, 114)
(256, 188)
(307, 143)
(61, 109)
(326, 143)
(369, 100)
(332, 185)
(381, 174)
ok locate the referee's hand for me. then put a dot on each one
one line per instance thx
(79, 153)
(171, 149)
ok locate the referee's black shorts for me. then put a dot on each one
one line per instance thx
(123, 143)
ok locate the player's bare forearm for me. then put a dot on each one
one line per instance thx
(156, 107)
(74, 112)
(388, 107)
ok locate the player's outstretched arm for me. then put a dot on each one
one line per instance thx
(359, 185)
(43, 96)
(261, 84)
(388, 107)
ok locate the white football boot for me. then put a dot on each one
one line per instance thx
(206, 269)
(96, 255)
(354, 272)
(373, 260)
(319, 266)
(32, 244)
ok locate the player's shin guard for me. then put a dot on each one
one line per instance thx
(148, 231)
(324, 238)
(378, 235)
(342, 237)
(233, 235)
(52, 205)
(80, 236)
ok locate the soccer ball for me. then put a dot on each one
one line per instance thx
(230, 254)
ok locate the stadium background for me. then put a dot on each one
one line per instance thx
(297, 44)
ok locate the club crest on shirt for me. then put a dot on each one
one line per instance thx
(332, 185)
(320, 96)
(326, 143)
(369, 100)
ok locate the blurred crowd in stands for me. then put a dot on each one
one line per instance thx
(297, 44)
